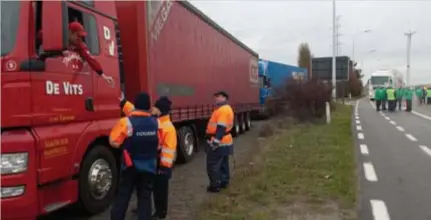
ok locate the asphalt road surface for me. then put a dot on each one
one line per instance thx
(187, 187)
(394, 161)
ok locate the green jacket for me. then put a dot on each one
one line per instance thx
(400, 93)
(419, 92)
(379, 94)
(408, 94)
(391, 94)
(428, 93)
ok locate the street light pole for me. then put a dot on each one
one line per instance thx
(334, 51)
(409, 43)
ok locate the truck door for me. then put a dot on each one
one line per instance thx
(63, 98)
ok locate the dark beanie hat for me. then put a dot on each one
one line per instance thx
(142, 101)
(164, 105)
(222, 93)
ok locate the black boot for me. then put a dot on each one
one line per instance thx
(212, 189)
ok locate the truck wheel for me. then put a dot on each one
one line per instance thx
(98, 180)
(247, 121)
(186, 144)
(236, 130)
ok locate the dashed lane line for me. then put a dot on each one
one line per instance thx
(380, 212)
(370, 173)
(425, 149)
(392, 122)
(361, 136)
(358, 122)
(400, 128)
(364, 149)
(358, 127)
(411, 137)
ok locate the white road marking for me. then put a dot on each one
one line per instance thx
(358, 122)
(392, 122)
(357, 106)
(411, 137)
(370, 173)
(400, 128)
(387, 118)
(380, 212)
(425, 149)
(361, 136)
(357, 117)
(422, 115)
(358, 127)
(364, 149)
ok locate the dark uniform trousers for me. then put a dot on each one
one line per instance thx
(143, 183)
(218, 169)
(142, 146)
(160, 194)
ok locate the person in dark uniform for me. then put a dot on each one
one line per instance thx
(138, 137)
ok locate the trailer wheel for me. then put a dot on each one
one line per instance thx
(186, 144)
(98, 180)
(236, 130)
(247, 121)
(243, 122)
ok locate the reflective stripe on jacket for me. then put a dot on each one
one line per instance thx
(220, 124)
(138, 135)
(168, 142)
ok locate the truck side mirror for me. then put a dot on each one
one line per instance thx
(55, 25)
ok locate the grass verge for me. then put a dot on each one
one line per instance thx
(304, 172)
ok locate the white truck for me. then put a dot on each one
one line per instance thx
(384, 78)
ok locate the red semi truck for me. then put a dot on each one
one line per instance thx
(56, 113)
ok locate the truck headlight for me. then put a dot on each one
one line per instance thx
(13, 163)
(7, 192)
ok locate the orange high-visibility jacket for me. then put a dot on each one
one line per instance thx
(222, 116)
(167, 137)
(168, 141)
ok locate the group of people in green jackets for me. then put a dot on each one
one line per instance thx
(424, 95)
(389, 98)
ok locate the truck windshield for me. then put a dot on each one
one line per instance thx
(379, 80)
(9, 25)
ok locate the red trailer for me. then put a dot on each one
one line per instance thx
(57, 114)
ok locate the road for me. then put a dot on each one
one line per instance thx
(394, 161)
(188, 184)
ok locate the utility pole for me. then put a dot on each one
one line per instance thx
(409, 44)
(334, 51)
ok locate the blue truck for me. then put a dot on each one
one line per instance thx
(273, 75)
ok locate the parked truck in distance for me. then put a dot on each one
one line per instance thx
(56, 114)
(272, 76)
(384, 78)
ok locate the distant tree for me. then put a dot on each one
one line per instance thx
(304, 58)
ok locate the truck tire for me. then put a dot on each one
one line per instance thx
(247, 121)
(186, 145)
(243, 123)
(236, 130)
(98, 180)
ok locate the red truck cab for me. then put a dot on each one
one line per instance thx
(56, 113)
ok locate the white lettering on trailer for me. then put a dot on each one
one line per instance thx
(106, 33)
(161, 19)
(53, 88)
(111, 48)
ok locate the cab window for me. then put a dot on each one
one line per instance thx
(87, 20)
(90, 25)
(9, 25)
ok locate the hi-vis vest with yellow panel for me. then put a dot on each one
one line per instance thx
(223, 116)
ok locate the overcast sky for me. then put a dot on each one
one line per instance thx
(274, 29)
